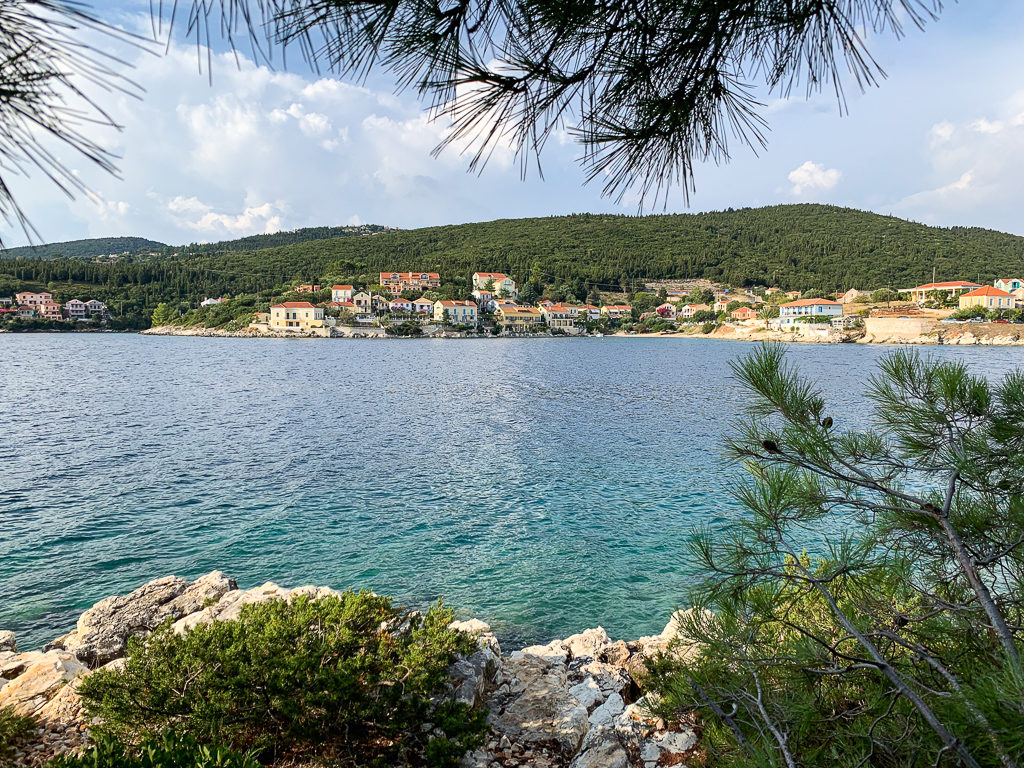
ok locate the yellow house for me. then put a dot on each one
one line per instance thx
(989, 298)
(296, 315)
(516, 319)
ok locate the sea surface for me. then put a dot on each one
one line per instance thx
(544, 486)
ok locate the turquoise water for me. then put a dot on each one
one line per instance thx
(541, 485)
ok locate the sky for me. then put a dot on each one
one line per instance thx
(940, 141)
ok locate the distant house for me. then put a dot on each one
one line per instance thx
(795, 310)
(458, 312)
(308, 289)
(593, 313)
(212, 302)
(341, 293)
(50, 310)
(342, 306)
(32, 299)
(379, 303)
(559, 316)
(296, 315)
(260, 318)
(517, 319)
(363, 302)
(722, 304)
(667, 310)
(76, 310)
(743, 313)
(96, 307)
(1010, 285)
(687, 311)
(952, 289)
(483, 298)
(6, 301)
(792, 294)
(851, 296)
(396, 282)
(400, 307)
(771, 291)
(423, 306)
(501, 283)
(844, 321)
(26, 311)
(617, 311)
(989, 298)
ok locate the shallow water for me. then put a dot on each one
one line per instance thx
(541, 485)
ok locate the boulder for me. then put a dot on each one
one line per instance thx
(102, 632)
(230, 604)
(589, 642)
(607, 712)
(588, 693)
(7, 641)
(41, 680)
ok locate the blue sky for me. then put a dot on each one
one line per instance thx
(941, 141)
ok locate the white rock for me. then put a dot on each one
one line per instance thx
(41, 681)
(588, 693)
(607, 712)
(8, 641)
(552, 652)
(589, 642)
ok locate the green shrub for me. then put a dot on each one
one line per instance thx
(169, 750)
(13, 728)
(351, 675)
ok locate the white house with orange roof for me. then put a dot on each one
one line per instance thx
(456, 312)
(687, 311)
(590, 312)
(50, 310)
(400, 307)
(559, 316)
(341, 293)
(422, 306)
(32, 299)
(396, 282)
(76, 310)
(989, 298)
(296, 315)
(1009, 284)
(952, 288)
(617, 311)
(499, 282)
(793, 311)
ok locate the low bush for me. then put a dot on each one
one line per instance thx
(13, 728)
(169, 750)
(350, 677)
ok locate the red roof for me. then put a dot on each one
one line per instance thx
(458, 304)
(341, 287)
(988, 290)
(294, 305)
(950, 284)
(811, 303)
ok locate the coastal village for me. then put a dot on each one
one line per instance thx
(32, 305)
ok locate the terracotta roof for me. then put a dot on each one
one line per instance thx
(811, 303)
(950, 284)
(491, 275)
(458, 304)
(341, 287)
(408, 276)
(294, 305)
(988, 290)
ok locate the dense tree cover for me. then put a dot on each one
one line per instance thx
(811, 248)
(84, 249)
(276, 239)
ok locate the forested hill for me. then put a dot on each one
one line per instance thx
(793, 246)
(84, 249)
(276, 239)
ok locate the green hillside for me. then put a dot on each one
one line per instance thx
(83, 249)
(797, 247)
(276, 239)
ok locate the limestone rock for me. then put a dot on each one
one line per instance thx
(41, 681)
(616, 653)
(230, 604)
(589, 642)
(553, 651)
(13, 664)
(102, 632)
(607, 712)
(588, 693)
(7, 641)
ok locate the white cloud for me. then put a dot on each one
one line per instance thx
(813, 177)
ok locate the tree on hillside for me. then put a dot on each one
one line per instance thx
(897, 640)
(649, 88)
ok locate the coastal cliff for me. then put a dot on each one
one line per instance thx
(576, 702)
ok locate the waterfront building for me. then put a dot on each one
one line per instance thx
(400, 307)
(617, 311)
(422, 306)
(795, 310)
(952, 288)
(50, 310)
(458, 312)
(363, 302)
(76, 310)
(592, 312)
(517, 319)
(667, 310)
(989, 298)
(743, 313)
(687, 311)
(296, 315)
(484, 299)
(96, 307)
(26, 311)
(559, 316)
(341, 293)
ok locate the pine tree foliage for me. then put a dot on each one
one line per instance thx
(898, 641)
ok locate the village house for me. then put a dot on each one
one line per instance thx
(743, 313)
(76, 310)
(989, 298)
(843, 322)
(314, 288)
(850, 296)
(771, 291)
(341, 293)
(27, 311)
(6, 301)
(1010, 285)
(517, 319)
(342, 306)
(593, 313)
(296, 315)
(667, 310)
(722, 304)
(501, 283)
(50, 310)
(422, 306)
(96, 307)
(212, 302)
(687, 311)
(379, 303)
(396, 282)
(792, 294)
(260, 318)
(363, 302)
(793, 311)
(559, 316)
(617, 311)
(952, 289)
(484, 299)
(456, 312)
(32, 299)
(400, 307)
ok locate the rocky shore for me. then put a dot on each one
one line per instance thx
(572, 703)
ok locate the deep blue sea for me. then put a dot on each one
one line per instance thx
(544, 486)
